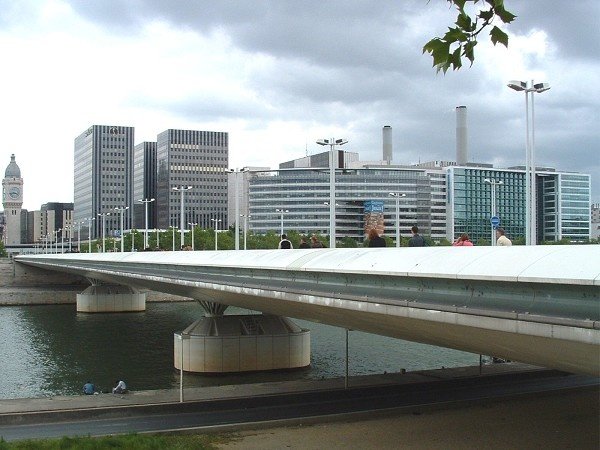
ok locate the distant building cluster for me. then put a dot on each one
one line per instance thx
(184, 176)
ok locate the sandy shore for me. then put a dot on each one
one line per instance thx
(559, 420)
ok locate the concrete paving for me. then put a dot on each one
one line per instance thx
(11, 409)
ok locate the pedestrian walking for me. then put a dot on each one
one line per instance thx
(463, 241)
(416, 240)
(285, 243)
(502, 240)
(375, 240)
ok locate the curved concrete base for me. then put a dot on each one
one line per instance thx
(110, 298)
(241, 343)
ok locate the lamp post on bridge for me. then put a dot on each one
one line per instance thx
(397, 196)
(245, 217)
(530, 188)
(90, 219)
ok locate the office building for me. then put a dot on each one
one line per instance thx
(104, 177)
(195, 159)
(562, 204)
(144, 184)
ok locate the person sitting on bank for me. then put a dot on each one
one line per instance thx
(463, 241)
(120, 388)
(375, 240)
(416, 240)
(89, 388)
(502, 241)
(285, 243)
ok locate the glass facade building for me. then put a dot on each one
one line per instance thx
(563, 202)
(304, 194)
(199, 159)
(103, 160)
(144, 184)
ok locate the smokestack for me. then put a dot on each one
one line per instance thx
(387, 144)
(462, 150)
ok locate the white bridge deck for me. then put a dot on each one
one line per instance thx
(539, 305)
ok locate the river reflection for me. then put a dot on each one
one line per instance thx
(52, 350)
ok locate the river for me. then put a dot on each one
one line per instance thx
(52, 350)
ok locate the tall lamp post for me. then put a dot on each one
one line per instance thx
(216, 221)
(332, 143)
(245, 217)
(121, 211)
(530, 189)
(192, 225)
(236, 187)
(493, 183)
(145, 201)
(397, 196)
(182, 189)
(79, 236)
(103, 215)
(282, 212)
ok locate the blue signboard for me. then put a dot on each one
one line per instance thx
(373, 206)
(495, 221)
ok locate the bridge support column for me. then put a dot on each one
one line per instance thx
(105, 298)
(240, 343)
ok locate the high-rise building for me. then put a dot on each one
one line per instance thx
(104, 177)
(144, 184)
(196, 159)
(12, 199)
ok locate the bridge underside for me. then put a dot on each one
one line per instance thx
(549, 325)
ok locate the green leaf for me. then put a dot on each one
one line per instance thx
(505, 16)
(486, 15)
(454, 59)
(469, 51)
(463, 21)
(497, 35)
(455, 34)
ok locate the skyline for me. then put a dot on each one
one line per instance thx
(277, 76)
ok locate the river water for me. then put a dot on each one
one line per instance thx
(51, 350)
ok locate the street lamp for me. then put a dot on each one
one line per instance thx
(145, 201)
(56, 240)
(493, 183)
(79, 236)
(245, 217)
(530, 189)
(192, 225)
(216, 221)
(103, 215)
(282, 211)
(332, 143)
(397, 196)
(182, 189)
(122, 210)
(89, 219)
(236, 187)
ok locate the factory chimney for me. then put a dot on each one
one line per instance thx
(462, 151)
(387, 144)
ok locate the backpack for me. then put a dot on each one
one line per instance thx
(286, 244)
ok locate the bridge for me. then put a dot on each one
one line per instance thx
(534, 304)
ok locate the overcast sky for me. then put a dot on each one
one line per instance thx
(277, 75)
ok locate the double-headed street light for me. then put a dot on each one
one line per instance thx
(282, 212)
(216, 222)
(122, 210)
(332, 166)
(493, 183)
(145, 201)
(530, 189)
(397, 196)
(182, 189)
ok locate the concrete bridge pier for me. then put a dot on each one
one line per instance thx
(105, 298)
(218, 343)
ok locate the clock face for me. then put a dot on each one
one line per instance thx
(14, 192)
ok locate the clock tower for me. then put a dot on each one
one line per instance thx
(12, 199)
